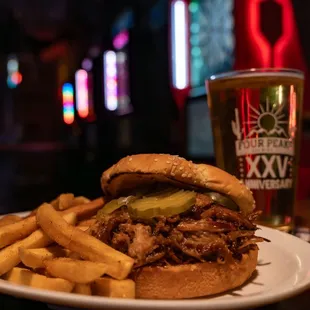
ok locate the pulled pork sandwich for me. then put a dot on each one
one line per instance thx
(188, 226)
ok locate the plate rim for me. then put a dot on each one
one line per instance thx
(208, 303)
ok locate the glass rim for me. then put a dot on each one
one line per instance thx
(255, 72)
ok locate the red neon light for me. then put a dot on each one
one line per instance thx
(16, 77)
(292, 120)
(288, 32)
(262, 45)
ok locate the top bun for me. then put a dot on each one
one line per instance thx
(141, 169)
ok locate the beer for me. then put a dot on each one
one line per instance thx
(256, 120)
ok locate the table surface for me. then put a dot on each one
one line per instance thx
(300, 302)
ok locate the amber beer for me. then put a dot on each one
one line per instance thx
(256, 119)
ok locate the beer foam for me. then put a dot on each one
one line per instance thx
(258, 73)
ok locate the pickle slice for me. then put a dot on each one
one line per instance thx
(168, 205)
(223, 201)
(115, 204)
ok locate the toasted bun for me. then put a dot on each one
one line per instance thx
(136, 170)
(196, 280)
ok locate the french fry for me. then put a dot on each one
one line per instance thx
(13, 232)
(77, 271)
(34, 258)
(26, 277)
(87, 223)
(114, 288)
(9, 257)
(83, 289)
(87, 210)
(74, 255)
(80, 242)
(54, 203)
(79, 200)
(32, 213)
(9, 219)
(65, 201)
(83, 228)
(83, 210)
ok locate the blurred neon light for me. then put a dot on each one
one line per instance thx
(10, 83)
(12, 65)
(87, 64)
(81, 88)
(288, 34)
(121, 39)
(179, 48)
(263, 47)
(67, 103)
(110, 80)
(123, 93)
(14, 76)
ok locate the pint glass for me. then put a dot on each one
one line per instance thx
(256, 123)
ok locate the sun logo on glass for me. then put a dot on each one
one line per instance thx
(267, 120)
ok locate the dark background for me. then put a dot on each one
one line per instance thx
(41, 156)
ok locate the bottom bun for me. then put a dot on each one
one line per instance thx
(195, 280)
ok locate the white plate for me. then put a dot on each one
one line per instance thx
(282, 272)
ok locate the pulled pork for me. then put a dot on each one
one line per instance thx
(206, 232)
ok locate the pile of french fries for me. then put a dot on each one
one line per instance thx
(52, 249)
